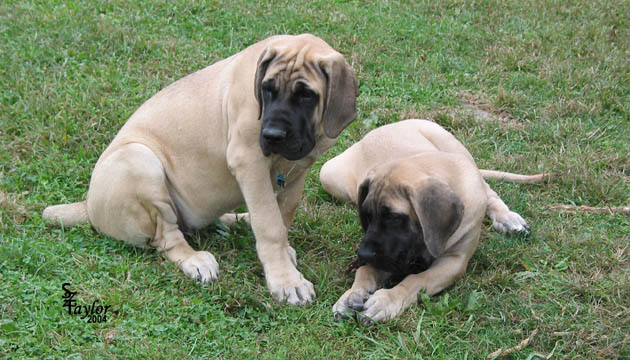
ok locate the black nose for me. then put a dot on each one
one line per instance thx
(366, 254)
(274, 134)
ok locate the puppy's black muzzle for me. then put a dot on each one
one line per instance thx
(398, 254)
(374, 250)
(279, 136)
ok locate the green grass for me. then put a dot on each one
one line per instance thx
(554, 74)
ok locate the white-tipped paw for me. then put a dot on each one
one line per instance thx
(381, 306)
(509, 222)
(293, 289)
(202, 266)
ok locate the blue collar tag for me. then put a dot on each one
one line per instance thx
(281, 180)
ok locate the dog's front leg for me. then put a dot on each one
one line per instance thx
(288, 201)
(289, 198)
(284, 281)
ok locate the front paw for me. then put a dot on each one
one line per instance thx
(291, 287)
(349, 304)
(201, 266)
(509, 222)
(383, 305)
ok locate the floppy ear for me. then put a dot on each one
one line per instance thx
(440, 212)
(340, 106)
(263, 63)
(364, 189)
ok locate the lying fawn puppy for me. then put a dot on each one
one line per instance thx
(421, 201)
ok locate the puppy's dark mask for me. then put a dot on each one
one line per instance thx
(393, 240)
(288, 126)
(406, 242)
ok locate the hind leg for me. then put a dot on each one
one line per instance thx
(503, 219)
(129, 200)
(337, 179)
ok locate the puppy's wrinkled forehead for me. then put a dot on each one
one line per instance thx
(298, 60)
(387, 196)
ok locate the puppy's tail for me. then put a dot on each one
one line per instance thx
(67, 214)
(511, 177)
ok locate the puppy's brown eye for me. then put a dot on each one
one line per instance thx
(268, 88)
(394, 219)
(305, 95)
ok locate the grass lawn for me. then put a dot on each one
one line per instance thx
(527, 86)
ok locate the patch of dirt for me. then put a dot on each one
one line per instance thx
(480, 108)
(11, 210)
(476, 106)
